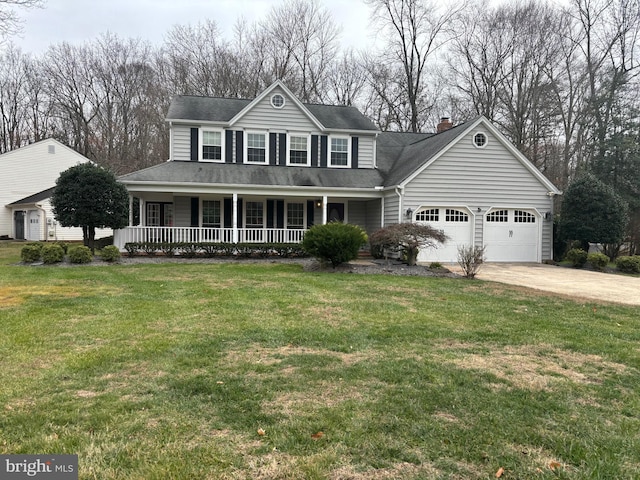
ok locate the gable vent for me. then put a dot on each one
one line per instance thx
(51, 149)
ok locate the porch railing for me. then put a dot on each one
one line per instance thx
(142, 234)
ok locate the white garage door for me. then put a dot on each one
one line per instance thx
(511, 236)
(456, 223)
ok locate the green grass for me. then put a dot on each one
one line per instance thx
(169, 371)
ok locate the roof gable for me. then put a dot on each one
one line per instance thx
(405, 158)
(229, 112)
(280, 87)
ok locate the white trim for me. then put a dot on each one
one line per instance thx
(339, 137)
(278, 94)
(473, 139)
(245, 147)
(308, 137)
(201, 144)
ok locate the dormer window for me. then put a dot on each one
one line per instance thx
(277, 101)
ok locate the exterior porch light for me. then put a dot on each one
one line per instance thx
(318, 203)
(409, 212)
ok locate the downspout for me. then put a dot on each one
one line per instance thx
(399, 192)
(170, 141)
(44, 216)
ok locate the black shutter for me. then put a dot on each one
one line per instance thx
(239, 146)
(273, 160)
(323, 150)
(270, 212)
(279, 213)
(310, 211)
(354, 152)
(314, 150)
(283, 149)
(228, 145)
(228, 212)
(194, 144)
(239, 213)
(195, 212)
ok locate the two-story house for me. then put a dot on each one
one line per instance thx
(265, 170)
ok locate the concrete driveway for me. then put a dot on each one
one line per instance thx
(566, 281)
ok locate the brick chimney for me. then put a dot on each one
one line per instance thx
(444, 125)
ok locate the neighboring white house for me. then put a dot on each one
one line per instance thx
(265, 170)
(27, 178)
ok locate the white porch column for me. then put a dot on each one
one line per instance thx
(235, 218)
(130, 210)
(143, 220)
(382, 212)
(324, 210)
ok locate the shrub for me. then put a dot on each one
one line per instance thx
(52, 253)
(31, 252)
(100, 243)
(435, 266)
(599, 261)
(169, 248)
(63, 245)
(150, 248)
(132, 248)
(80, 254)
(334, 242)
(110, 253)
(628, 264)
(577, 257)
(189, 250)
(406, 238)
(470, 258)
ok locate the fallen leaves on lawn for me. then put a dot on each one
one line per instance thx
(553, 465)
(261, 432)
(499, 472)
(317, 436)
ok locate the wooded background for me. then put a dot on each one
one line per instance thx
(561, 81)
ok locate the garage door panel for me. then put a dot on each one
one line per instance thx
(456, 224)
(511, 235)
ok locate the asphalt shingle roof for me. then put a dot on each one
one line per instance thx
(262, 175)
(222, 110)
(36, 197)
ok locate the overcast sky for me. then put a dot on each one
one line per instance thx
(76, 21)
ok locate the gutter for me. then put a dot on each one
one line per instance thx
(46, 225)
(399, 191)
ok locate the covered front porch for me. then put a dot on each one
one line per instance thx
(240, 217)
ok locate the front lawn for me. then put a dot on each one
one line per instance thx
(245, 371)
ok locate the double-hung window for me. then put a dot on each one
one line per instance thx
(295, 215)
(256, 148)
(339, 153)
(298, 150)
(211, 149)
(211, 213)
(254, 215)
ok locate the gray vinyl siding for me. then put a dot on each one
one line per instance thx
(391, 206)
(182, 211)
(264, 116)
(181, 141)
(374, 210)
(357, 213)
(366, 146)
(494, 178)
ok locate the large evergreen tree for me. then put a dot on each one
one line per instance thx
(593, 212)
(90, 197)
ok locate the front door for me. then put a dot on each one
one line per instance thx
(34, 225)
(335, 212)
(19, 224)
